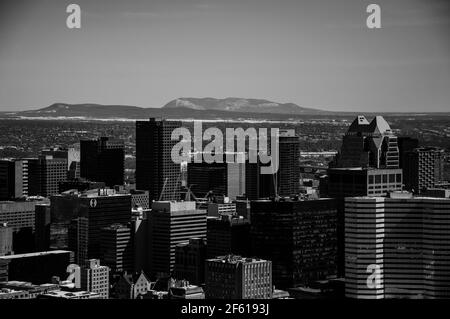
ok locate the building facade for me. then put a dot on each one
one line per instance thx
(77, 220)
(11, 179)
(235, 277)
(155, 170)
(116, 248)
(95, 278)
(298, 236)
(397, 247)
(227, 235)
(423, 168)
(170, 224)
(103, 160)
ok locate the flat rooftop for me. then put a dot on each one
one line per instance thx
(41, 253)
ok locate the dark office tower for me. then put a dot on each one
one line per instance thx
(6, 239)
(368, 145)
(401, 240)
(116, 248)
(288, 175)
(258, 185)
(44, 175)
(170, 224)
(77, 220)
(227, 235)
(227, 179)
(423, 168)
(42, 227)
(286, 181)
(406, 144)
(11, 179)
(299, 237)
(235, 277)
(155, 170)
(205, 177)
(190, 261)
(103, 160)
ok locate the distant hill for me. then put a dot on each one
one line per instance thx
(234, 104)
(193, 108)
(229, 108)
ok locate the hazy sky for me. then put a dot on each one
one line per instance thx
(147, 52)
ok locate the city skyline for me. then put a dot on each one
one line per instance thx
(319, 55)
(231, 152)
(172, 231)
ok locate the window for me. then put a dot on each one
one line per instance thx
(391, 178)
(377, 179)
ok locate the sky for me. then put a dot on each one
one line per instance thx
(145, 53)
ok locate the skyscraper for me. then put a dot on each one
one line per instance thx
(406, 144)
(397, 247)
(45, 173)
(42, 222)
(286, 181)
(288, 175)
(368, 145)
(11, 179)
(103, 160)
(155, 170)
(235, 277)
(77, 220)
(423, 168)
(116, 248)
(170, 224)
(298, 236)
(367, 165)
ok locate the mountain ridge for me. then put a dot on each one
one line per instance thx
(178, 108)
(236, 104)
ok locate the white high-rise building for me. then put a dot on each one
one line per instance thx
(95, 278)
(397, 247)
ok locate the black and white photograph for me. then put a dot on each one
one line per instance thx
(224, 158)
